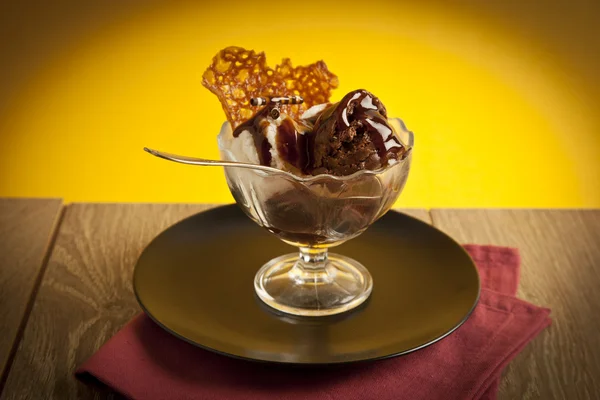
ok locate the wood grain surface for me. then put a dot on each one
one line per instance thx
(418, 213)
(85, 296)
(26, 228)
(560, 252)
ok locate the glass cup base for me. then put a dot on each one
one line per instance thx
(290, 285)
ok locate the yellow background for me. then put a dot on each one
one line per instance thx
(503, 97)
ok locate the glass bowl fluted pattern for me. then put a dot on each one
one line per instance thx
(315, 213)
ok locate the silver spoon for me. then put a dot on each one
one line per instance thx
(213, 163)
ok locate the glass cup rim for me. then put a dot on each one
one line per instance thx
(409, 144)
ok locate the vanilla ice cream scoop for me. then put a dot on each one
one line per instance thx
(272, 139)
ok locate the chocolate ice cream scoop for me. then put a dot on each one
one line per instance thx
(352, 135)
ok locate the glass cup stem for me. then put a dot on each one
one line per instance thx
(313, 258)
(312, 267)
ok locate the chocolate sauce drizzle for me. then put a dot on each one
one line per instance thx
(364, 111)
(292, 145)
(255, 126)
(295, 141)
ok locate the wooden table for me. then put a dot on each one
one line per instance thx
(65, 285)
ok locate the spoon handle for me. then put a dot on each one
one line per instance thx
(209, 163)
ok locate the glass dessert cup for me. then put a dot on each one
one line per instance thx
(314, 214)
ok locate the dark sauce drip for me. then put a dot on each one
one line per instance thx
(265, 149)
(255, 126)
(310, 151)
(291, 144)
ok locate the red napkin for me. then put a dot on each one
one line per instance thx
(143, 361)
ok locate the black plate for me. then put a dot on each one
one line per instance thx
(196, 280)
